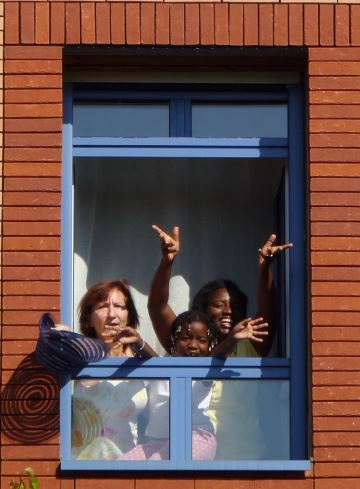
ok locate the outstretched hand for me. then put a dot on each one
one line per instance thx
(270, 249)
(170, 244)
(250, 329)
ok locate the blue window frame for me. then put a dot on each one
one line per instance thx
(179, 143)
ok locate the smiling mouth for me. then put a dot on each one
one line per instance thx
(226, 323)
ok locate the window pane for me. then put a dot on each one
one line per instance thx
(120, 419)
(239, 121)
(240, 420)
(121, 120)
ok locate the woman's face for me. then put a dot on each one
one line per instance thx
(110, 315)
(192, 340)
(224, 310)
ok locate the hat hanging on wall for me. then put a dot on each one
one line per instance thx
(64, 352)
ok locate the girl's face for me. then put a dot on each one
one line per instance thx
(192, 340)
(224, 311)
(110, 315)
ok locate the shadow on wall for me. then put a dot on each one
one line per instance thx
(30, 403)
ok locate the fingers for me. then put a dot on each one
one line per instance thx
(176, 234)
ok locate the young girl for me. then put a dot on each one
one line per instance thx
(192, 334)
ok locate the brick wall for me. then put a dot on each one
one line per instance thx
(35, 33)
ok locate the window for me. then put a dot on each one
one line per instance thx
(227, 165)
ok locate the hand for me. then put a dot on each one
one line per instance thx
(250, 329)
(170, 244)
(130, 336)
(61, 327)
(269, 250)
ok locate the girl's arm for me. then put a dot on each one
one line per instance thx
(266, 292)
(161, 314)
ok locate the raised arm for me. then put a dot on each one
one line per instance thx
(161, 314)
(266, 291)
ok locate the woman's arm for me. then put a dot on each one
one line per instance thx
(161, 314)
(131, 336)
(266, 292)
(248, 329)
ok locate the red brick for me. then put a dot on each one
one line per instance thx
(337, 112)
(334, 170)
(31, 273)
(338, 243)
(40, 469)
(336, 393)
(334, 54)
(336, 287)
(192, 24)
(31, 228)
(311, 25)
(336, 318)
(57, 22)
(342, 25)
(334, 68)
(335, 125)
(336, 273)
(27, 22)
(335, 363)
(177, 24)
(335, 198)
(88, 23)
(38, 184)
(337, 439)
(283, 483)
(111, 483)
(34, 452)
(335, 229)
(164, 483)
(296, 24)
(26, 258)
(32, 198)
(33, 81)
(236, 23)
(338, 483)
(13, 333)
(33, 287)
(221, 24)
(42, 23)
(117, 21)
(335, 154)
(354, 23)
(33, 154)
(29, 243)
(147, 23)
(335, 258)
(335, 97)
(132, 23)
(335, 213)
(33, 52)
(223, 484)
(335, 140)
(33, 110)
(281, 24)
(333, 83)
(17, 347)
(32, 139)
(266, 24)
(328, 348)
(162, 26)
(326, 22)
(337, 454)
(207, 24)
(336, 409)
(33, 67)
(102, 23)
(46, 481)
(12, 23)
(31, 213)
(336, 333)
(336, 423)
(72, 23)
(32, 170)
(336, 378)
(251, 24)
(28, 303)
(339, 470)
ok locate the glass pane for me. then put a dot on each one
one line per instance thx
(240, 420)
(120, 419)
(124, 120)
(239, 121)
